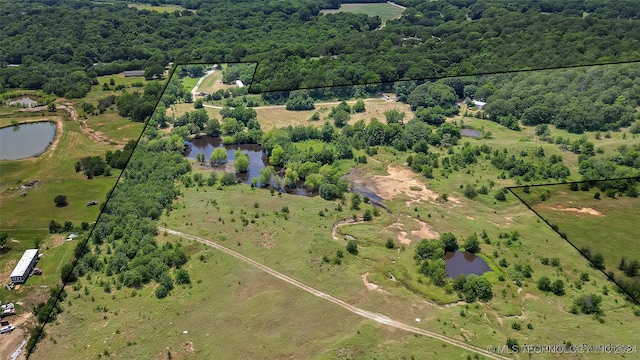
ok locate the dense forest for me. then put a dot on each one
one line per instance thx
(298, 47)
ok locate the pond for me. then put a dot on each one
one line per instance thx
(471, 132)
(26, 140)
(24, 101)
(258, 160)
(464, 263)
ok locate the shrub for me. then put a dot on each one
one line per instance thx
(61, 200)
(161, 292)
(352, 247)
(389, 244)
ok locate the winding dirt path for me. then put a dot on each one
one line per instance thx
(340, 223)
(379, 318)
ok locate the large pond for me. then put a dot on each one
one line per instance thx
(26, 140)
(464, 263)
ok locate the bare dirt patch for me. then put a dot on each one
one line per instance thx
(582, 210)
(425, 231)
(55, 241)
(340, 223)
(401, 180)
(12, 340)
(370, 286)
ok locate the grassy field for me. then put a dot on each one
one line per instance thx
(189, 83)
(109, 126)
(384, 10)
(248, 313)
(607, 225)
(272, 238)
(213, 82)
(278, 116)
(165, 8)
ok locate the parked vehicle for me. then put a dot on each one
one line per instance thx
(37, 271)
(6, 329)
(7, 306)
(4, 322)
(8, 312)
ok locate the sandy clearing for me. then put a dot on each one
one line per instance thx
(12, 340)
(400, 181)
(425, 231)
(583, 210)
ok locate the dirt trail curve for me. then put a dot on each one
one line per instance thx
(340, 223)
(382, 319)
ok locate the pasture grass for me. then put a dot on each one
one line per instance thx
(165, 8)
(384, 10)
(612, 234)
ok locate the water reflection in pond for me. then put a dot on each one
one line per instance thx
(258, 160)
(26, 140)
(464, 263)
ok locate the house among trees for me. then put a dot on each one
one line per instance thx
(479, 104)
(25, 265)
(133, 73)
(239, 83)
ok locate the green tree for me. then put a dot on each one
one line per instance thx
(544, 284)
(355, 201)
(477, 287)
(219, 156)
(277, 156)
(352, 247)
(61, 200)
(389, 244)
(54, 227)
(182, 277)
(449, 242)
(472, 244)
(358, 107)
(213, 127)
(242, 163)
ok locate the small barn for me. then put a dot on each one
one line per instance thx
(479, 104)
(239, 83)
(22, 270)
(133, 73)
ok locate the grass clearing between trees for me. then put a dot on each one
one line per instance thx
(385, 11)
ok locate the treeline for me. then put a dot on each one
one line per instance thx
(123, 243)
(299, 47)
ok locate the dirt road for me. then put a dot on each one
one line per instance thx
(382, 319)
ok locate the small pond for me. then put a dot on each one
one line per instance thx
(464, 263)
(471, 132)
(258, 160)
(26, 140)
(24, 101)
(206, 144)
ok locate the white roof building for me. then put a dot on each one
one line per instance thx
(23, 268)
(239, 83)
(479, 104)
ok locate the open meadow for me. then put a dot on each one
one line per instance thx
(385, 11)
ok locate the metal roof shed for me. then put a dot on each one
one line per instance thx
(23, 268)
